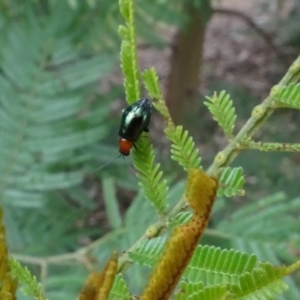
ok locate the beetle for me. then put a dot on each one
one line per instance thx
(135, 120)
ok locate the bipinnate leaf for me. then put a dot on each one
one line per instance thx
(200, 193)
(223, 111)
(119, 290)
(213, 266)
(263, 283)
(180, 218)
(288, 96)
(111, 203)
(231, 182)
(241, 273)
(187, 289)
(128, 52)
(152, 86)
(148, 252)
(29, 284)
(196, 291)
(151, 178)
(183, 148)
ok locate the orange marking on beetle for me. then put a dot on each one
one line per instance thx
(125, 146)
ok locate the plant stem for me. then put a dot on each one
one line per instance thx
(293, 267)
(259, 115)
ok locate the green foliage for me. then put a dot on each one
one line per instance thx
(150, 175)
(119, 290)
(276, 215)
(288, 96)
(214, 273)
(262, 283)
(51, 124)
(183, 148)
(74, 3)
(52, 127)
(148, 252)
(187, 289)
(180, 218)
(152, 86)
(194, 291)
(51, 117)
(30, 286)
(111, 203)
(272, 242)
(214, 266)
(128, 52)
(151, 83)
(231, 182)
(223, 111)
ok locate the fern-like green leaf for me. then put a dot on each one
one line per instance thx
(288, 96)
(30, 286)
(213, 266)
(223, 111)
(262, 283)
(151, 83)
(181, 218)
(188, 288)
(183, 148)
(119, 290)
(150, 175)
(148, 252)
(42, 126)
(264, 214)
(209, 265)
(128, 52)
(216, 292)
(271, 244)
(154, 186)
(231, 182)
(111, 203)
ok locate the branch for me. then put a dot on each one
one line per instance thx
(282, 147)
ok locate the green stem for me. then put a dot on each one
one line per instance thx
(259, 116)
(293, 267)
(283, 147)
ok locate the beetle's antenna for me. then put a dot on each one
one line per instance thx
(107, 163)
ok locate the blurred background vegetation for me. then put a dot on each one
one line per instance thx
(61, 98)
